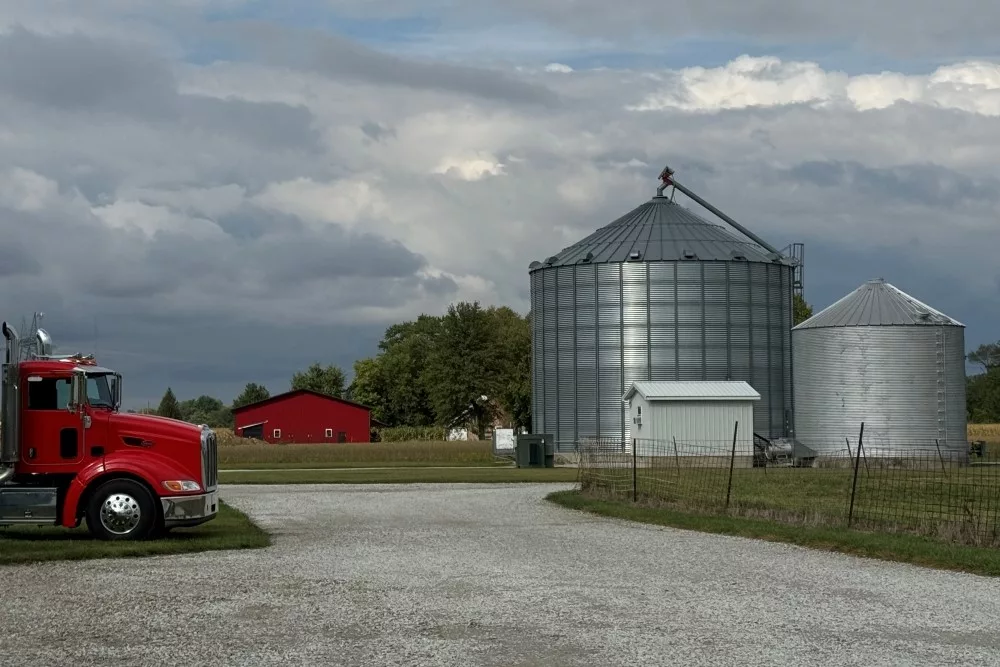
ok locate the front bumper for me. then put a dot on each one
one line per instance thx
(179, 511)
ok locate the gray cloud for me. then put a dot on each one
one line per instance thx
(78, 74)
(338, 57)
(269, 124)
(931, 185)
(898, 28)
(376, 131)
(15, 261)
(74, 72)
(333, 253)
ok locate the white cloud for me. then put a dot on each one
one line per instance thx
(350, 203)
(470, 169)
(25, 190)
(748, 82)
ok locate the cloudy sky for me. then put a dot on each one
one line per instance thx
(223, 191)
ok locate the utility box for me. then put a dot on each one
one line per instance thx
(536, 450)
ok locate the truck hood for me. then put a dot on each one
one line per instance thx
(159, 430)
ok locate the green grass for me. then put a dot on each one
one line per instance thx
(347, 465)
(410, 475)
(230, 529)
(959, 505)
(257, 454)
(891, 547)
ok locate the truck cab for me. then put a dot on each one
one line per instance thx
(68, 453)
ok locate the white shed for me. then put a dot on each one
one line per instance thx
(695, 414)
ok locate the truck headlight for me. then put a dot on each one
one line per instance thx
(181, 485)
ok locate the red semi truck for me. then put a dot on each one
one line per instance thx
(69, 454)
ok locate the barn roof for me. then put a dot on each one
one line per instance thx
(693, 391)
(299, 392)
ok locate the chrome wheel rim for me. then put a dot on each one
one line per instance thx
(120, 513)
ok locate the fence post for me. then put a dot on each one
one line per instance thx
(854, 484)
(732, 461)
(937, 442)
(635, 488)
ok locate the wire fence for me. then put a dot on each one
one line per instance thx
(948, 492)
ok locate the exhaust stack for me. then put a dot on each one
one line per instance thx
(44, 343)
(10, 408)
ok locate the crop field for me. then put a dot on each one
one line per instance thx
(987, 432)
(235, 452)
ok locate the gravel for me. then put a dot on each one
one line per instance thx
(488, 575)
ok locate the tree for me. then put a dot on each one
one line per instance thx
(987, 356)
(405, 353)
(369, 387)
(801, 311)
(511, 378)
(252, 393)
(459, 367)
(206, 410)
(169, 406)
(982, 393)
(327, 380)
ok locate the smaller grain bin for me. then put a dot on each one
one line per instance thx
(881, 357)
(690, 418)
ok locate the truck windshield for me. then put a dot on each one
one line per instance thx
(100, 390)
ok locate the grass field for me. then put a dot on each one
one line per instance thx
(960, 505)
(231, 529)
(410, 475)
(893, 547)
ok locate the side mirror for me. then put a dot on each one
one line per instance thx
(77, 392)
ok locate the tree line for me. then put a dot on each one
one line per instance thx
(982, 390)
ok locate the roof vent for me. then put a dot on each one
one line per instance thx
(588, 258)
(552, 260)
(687, 254)
(635, 254)
(736, 255)
(534, 265)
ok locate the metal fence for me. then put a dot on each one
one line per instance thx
(934, 489)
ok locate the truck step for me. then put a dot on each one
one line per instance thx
(32, 505)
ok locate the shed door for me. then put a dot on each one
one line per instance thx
(255, 431)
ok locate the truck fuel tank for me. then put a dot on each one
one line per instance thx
(28, 505)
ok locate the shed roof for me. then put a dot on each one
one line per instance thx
(877, 303)
(660, 230)
(728, 390)
(299, 392)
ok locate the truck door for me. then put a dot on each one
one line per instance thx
(51, 435)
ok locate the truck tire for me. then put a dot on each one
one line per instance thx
(121, 509)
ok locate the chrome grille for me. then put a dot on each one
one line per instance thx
(209, 460)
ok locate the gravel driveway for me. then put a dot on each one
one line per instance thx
(488, 575)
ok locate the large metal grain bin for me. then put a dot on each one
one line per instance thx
(658, 294)
(881, 357)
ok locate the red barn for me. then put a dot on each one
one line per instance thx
(303, 416)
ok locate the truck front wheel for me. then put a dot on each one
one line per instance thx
(121, 509)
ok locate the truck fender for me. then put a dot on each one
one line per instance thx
(76, 489)
(145, 466)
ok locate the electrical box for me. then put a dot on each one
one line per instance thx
(536, 450)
